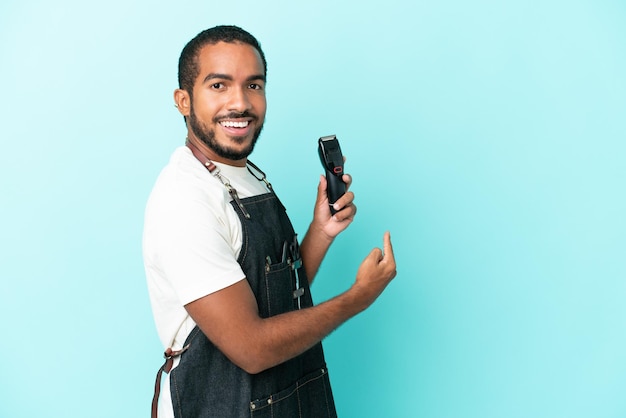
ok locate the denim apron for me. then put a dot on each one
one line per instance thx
(207, 384)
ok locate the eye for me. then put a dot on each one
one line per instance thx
(255, 86)
(217, 86)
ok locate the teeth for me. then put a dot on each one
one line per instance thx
(232, 124)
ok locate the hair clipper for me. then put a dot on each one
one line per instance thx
(332, 160)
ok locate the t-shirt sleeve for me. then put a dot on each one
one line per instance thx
(195, 247)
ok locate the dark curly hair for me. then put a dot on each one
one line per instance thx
(188, 68)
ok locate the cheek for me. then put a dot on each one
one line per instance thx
(261, 106)
(206, 104)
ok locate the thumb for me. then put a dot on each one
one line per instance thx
(376, 255)
(321, 189)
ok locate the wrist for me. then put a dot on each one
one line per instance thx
(356, 299)
(317, 230)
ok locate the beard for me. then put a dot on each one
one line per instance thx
(207, 136)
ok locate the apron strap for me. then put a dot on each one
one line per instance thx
(165, 368)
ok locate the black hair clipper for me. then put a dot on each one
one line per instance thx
(332, 160)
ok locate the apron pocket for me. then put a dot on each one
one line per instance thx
(278, 289)
(310, 396)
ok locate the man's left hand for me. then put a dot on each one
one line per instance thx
(332, 225)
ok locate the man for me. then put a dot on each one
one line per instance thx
(228, 282)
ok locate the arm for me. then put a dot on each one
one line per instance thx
(229, 317)
(324, 227)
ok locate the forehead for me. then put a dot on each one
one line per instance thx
(233, 59)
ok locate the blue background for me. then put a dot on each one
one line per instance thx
(487, 136)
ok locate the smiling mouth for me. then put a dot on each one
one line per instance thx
(234, 124)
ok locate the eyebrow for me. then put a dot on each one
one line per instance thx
(219, 76)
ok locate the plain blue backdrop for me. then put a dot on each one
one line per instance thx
(487, 136)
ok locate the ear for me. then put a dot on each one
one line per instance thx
(182, 101)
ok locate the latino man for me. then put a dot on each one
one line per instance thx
(229, 282)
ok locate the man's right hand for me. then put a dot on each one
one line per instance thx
(375, 273)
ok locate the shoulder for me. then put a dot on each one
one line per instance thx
(184, 184)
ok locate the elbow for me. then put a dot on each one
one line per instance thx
(253, 368)
(251, 359)
(252, 364)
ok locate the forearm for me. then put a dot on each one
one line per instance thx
(230, 319)
(313, 249)
(282, 337)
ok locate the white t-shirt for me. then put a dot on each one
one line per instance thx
(191, 241)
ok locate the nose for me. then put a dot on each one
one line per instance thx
(238, 100)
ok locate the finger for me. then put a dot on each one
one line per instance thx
(347, 178)
(388, 258)
(344, 201)
(387, 247)
(346, 213)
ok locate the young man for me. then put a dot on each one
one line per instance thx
(228, 281)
